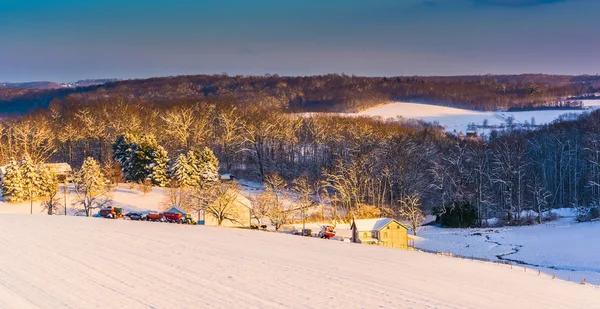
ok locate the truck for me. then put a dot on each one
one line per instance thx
(327, 232)
(111, 212)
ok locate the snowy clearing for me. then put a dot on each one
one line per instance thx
(456, 119)
(563, 247)
(58, 261)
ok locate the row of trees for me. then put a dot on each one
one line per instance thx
(333, 92)
(351, 162)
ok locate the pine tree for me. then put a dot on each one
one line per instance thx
(152, 160)
(183, 171)
(141, 158)
(207, 167)
(125, 150)
(12, 184)
(197, 169)
(32, 181)
(160, 172)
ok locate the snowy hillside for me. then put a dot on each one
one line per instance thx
(52, 262)
(456, 119)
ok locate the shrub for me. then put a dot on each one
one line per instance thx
(595, 213)
(457, 215)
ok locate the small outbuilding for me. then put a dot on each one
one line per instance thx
(385, 232)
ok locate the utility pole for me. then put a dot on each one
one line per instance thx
(65, 193)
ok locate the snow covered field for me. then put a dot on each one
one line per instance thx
(123, 196)
(456, 119)
(563, 247)
(58, 261)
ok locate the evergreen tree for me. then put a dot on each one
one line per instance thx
(197, 169)
(207, 168)
(151, 161)
(32, 181)
(141, 159)
(183, 170)
(160, 170)
(12, 184)
(125, 153)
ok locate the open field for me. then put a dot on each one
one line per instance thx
(52, 262)
(456, 119)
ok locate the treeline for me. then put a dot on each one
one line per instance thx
(332, 93)
(353, 161)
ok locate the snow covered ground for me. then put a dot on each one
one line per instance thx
(77, 262)
(563, 247)
(123, 196)
(456, 119)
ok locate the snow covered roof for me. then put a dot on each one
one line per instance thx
(176, 209)
(227, 177)
(373, 224)
(59, 168)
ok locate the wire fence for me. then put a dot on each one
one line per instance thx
(513, 265)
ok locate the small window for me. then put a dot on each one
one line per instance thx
(388, 227)
(365, 235)
(385, 234)
(397, 227)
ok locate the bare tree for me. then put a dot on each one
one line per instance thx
(224, 206)
(91, 187)
(410, 210)
(304, 191)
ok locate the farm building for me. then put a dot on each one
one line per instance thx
(60, 170)
(382, 231)
(241, 207)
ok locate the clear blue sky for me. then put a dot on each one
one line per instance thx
(66, 40)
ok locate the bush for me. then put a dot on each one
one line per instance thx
(595, 213)
(457, 215)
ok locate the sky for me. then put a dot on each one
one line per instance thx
(69, 40)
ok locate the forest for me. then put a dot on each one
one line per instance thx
(332, 93)
(354, 162)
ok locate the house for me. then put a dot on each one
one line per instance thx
(227, 177)
(382, 231)
(60, 170)
(243, 208)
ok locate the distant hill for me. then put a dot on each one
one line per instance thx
(54, 85)
(32, 85)
(333, 92)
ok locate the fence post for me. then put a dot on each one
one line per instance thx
(553, 275)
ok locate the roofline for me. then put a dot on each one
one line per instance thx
(393, 220)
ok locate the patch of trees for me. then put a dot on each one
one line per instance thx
(357, 165)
